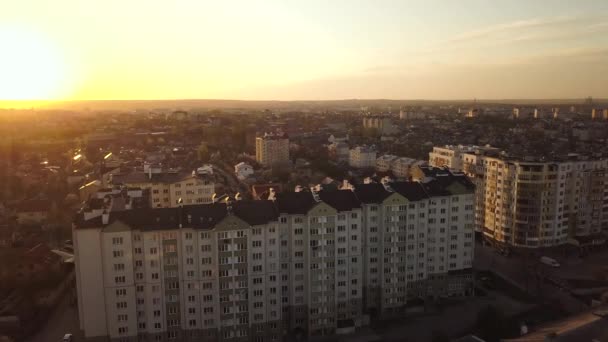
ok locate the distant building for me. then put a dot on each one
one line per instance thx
(451, 156)
(339, 151)
(383, 163)
(402, 167)
(399, 166)
(515, 113)
(272, 149)
(362, 157)
(383, 124)
(529, 203)
(335, 138)
(243, 170)
(170, 189)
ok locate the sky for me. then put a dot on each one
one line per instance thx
(303, 50)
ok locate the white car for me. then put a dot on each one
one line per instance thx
(68, 338)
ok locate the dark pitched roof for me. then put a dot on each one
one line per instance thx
(341, 200)
(255, 212)
(413, 191)
(294, 202)
(371, 193)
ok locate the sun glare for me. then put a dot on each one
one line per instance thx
(31, 68)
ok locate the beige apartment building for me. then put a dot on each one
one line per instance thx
(532, 203)
(272, 149)
(169, 189)
(362, 157)
(311, 263)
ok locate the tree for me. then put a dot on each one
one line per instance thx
(203, 152)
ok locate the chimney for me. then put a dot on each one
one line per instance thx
(105, 217)
(271, 195)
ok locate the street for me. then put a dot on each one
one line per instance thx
(527, 274)
(64, 319)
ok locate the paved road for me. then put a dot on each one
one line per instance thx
(63, 319)
(527, 274)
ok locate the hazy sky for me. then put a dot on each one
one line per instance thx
(288, 49)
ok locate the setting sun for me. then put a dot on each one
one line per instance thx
(31, 68)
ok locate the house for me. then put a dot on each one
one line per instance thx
(33, 211)
(335, 138)
(243, 170)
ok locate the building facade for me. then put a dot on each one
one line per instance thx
(272, 149)
(308, 263)
(169, 189)
(382, 124)
(362, 157)
(533, 203)
(451, 156)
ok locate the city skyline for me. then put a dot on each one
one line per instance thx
(294, 51)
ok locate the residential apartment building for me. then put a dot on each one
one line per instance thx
(383, 124)
(384, 162)
(169, 189)
(529, 203)
(272, 149)
(451, 156)
(311, 263)
(362, 157)
(399, 166)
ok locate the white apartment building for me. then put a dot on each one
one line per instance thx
(362, 157)
(451, 156)
(169, 189)
(531, 203)
(339, 151)
(384, 162)
(310, 263)
(272, 149)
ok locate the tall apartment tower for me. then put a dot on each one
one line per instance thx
(532, 203)
(309, 263)
(272, 149)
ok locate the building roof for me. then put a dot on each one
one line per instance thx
(371, 193)
(295, 202)
(163, 177)
(413, 191)
(341, 200)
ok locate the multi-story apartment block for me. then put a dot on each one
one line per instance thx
(383, 124)
(451, 156)
(169, 189)
(272, 149)
(309, 263)
(384, 162)
(362, 157)
(529, 203)
(400, 166)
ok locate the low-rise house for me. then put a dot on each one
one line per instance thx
(243, 170)
(362, 157)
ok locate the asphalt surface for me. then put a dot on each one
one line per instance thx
(528, 274)
(64, 319)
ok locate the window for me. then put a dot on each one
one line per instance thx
(117, 241)
(118, 254)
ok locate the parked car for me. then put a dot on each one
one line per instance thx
(549, 261)
(68, 338)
